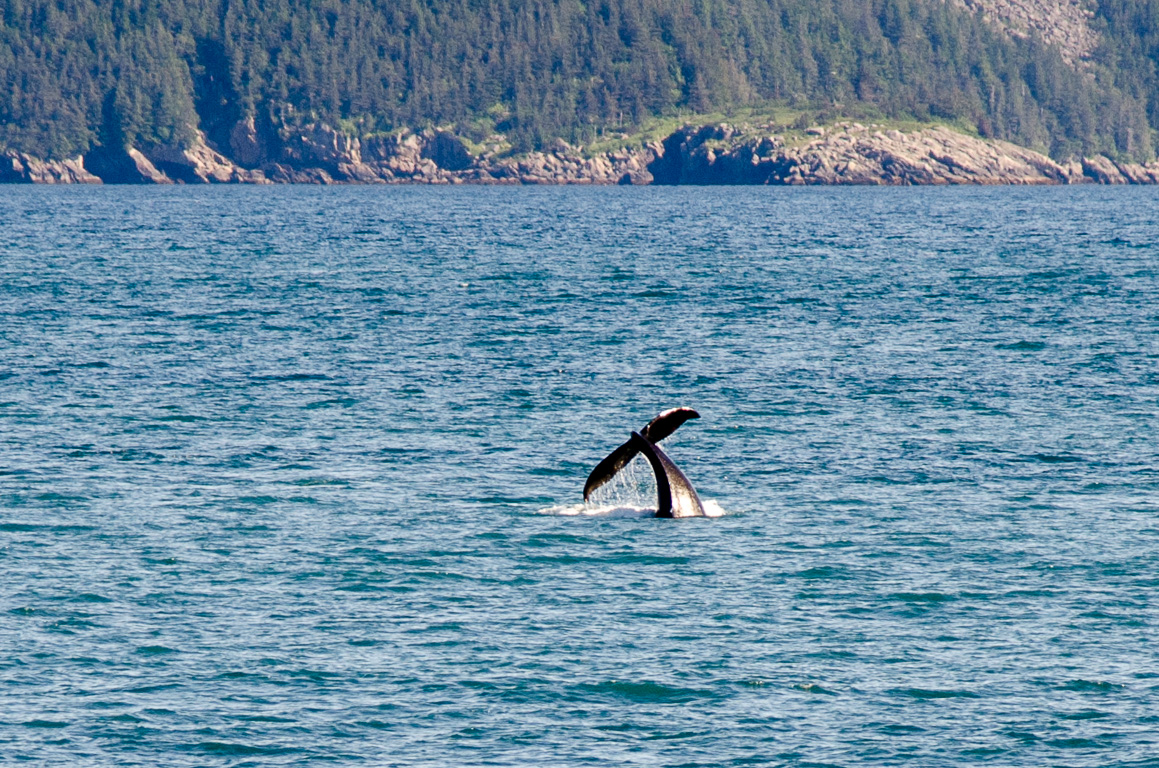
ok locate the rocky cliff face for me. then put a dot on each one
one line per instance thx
(847, 153)
(851, 153)
(197, 164)
(200, 164)
(19, 168)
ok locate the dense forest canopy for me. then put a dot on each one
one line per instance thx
(81, 73)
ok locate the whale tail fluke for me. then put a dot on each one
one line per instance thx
(675, 495)
(656, 430)
(666, 423)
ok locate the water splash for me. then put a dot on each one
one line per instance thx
(633, 486)
(631, 493)
(598, 510)
(590, 509)
(712, 509)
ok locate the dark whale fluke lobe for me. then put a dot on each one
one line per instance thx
(675, 495)
(666, 423)
(656, 430)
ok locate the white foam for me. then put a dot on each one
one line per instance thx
(711, 509)
(598, 510)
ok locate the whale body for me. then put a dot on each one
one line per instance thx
(675, 495)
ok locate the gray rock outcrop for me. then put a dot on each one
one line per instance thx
(851, 153)
(19, 168)
(200, 164)
(124, 165)
(1103, 170)
(564, 164)
(448, 152)
(247, 147)
(854, 154)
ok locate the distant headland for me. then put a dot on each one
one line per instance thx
(559, 92)
(842, 153)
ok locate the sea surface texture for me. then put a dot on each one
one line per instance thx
(293, 476)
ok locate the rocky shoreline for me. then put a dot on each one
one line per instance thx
(718, 154)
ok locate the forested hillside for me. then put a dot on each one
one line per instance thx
(75, 74)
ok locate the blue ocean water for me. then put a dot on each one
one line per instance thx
(292, 475)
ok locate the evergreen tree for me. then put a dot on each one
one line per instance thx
(74, 73)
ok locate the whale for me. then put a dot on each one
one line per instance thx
(675, 496)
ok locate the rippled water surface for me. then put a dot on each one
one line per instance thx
(292, 475)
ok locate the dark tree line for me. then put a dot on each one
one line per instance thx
(80, 73)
